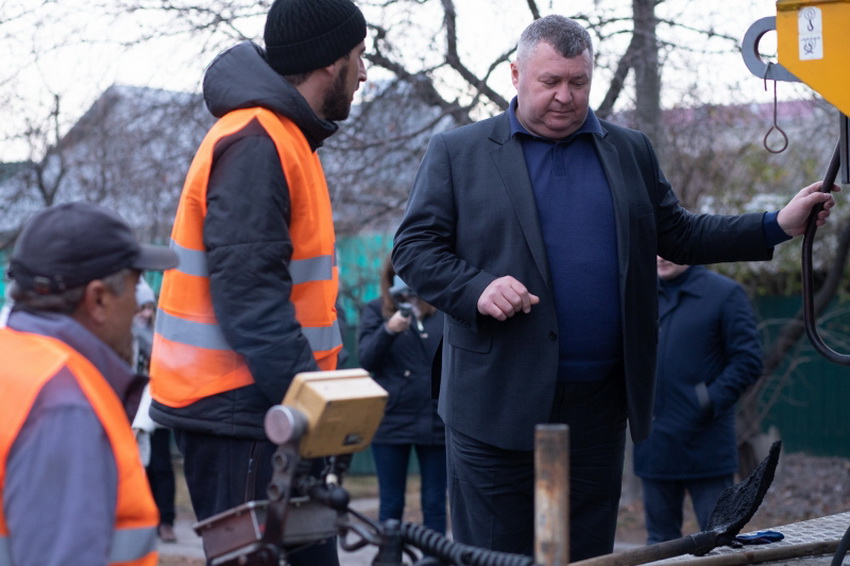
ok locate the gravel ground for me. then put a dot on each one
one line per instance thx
(806, 487)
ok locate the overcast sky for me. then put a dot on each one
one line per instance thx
(79, 57)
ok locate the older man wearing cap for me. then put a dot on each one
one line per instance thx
(72, 487)
(253, 302)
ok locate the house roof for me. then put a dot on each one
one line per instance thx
(129, 152)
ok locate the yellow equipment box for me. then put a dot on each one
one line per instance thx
(343, 410)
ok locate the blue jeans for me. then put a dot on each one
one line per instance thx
(391, 463)
(663, 500)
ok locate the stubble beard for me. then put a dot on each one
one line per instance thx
(337, 104)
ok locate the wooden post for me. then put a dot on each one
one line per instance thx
(552, 495)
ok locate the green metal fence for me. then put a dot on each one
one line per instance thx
(807, 397)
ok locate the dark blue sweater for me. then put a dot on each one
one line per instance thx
(576, 213)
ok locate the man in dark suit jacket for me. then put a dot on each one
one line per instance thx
(708, 354)
(536, 232)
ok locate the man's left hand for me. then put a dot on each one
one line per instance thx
(794, 216)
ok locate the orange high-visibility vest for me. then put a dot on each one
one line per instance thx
(191, 358)
(30, 361)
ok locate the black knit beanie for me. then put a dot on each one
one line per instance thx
(303, 35)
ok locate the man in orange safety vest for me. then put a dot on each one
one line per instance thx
(253, 302)
(72, 486)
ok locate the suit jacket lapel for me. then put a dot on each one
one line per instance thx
(619, 193)
(510, 164)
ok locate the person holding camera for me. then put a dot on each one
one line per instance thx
(399, 335)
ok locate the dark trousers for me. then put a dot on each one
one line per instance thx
(491, 490)
(160, 473)
(391, 463)
(224, 472)
(663, 500)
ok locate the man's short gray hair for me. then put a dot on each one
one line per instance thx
(64, 302)
(566, 36)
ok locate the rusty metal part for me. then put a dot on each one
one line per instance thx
(552, 494)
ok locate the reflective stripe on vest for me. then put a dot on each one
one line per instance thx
(194, 262)
(128, 547)
(31, 361)
(131, 544)
(191, 357)
(209, 336)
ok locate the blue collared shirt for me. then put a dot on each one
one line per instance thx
(576, 212)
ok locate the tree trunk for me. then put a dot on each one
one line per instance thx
(646, 72)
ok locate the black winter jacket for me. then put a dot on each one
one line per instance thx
(246, 234)
(708, 354)
(401, 364)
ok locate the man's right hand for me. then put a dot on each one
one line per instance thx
(505, 297)
(398, 322)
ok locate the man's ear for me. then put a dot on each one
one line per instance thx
(328, 73)
(332, 70)
(94, 307)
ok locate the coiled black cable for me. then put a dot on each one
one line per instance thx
(809, 315)
(436, 544)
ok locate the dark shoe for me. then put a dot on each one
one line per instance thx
(166, 533)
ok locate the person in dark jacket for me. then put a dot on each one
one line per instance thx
(535, 232)
(255, 304)
(399, 335)
(708, 354)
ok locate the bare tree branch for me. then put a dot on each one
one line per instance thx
(453, 59)
(535, 11)
(618, 81)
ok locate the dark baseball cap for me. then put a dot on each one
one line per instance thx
(70, 244)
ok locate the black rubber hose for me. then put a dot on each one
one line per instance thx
(436, 544)
(841, 551)
(809, 315)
